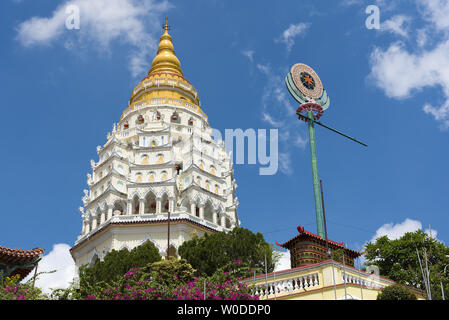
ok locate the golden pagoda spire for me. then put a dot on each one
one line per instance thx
(165, 60)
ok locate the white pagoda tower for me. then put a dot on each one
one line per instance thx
(159, 158)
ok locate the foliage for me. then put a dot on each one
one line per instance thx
(174, 280)
(116, 264)
(11, 289)
(398, 260)
(214, 251)
(396, 292)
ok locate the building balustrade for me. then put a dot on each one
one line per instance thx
(292, 285)
(160, 102)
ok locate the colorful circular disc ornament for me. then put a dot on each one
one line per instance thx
(305, 86)
(306, 81)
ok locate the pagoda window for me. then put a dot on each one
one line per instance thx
(151, 176)
(157, 115)
(140, 119)
(160, 158)
(212, 170)
(162, 140)
(153, 143)
(138, 177)
(190, 122)
(217, 190)
(144, 159)
(201, 165)
(207, 185)
(164, 175)
(175, 117)
(198, 181)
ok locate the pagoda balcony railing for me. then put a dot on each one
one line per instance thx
(151, 217)
(161, 101)
(162, 81)
(296, 284)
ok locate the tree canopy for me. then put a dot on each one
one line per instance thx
(116, 263)
(214, 251)
(396, 292)
(398, 260)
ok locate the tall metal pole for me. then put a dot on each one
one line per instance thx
(328, 251)
(441, 282)
(360, 279)
(316, 186)
(344, 273)
(168, 238)
(266, 275)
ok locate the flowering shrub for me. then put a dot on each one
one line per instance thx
(139, 284)
(11, 289)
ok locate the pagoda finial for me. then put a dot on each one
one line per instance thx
(166, 60)
(166, 26)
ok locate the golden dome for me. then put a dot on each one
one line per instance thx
(165, 60)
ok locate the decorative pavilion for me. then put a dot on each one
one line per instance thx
(309, 248)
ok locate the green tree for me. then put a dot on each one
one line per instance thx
(398, 260)
(104, 273)
(169, 273)
(396, 292)
(214, 251)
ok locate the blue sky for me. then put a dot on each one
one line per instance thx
(63, 89)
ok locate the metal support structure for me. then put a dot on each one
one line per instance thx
(328, 251)
(316, 185)
(168, 237)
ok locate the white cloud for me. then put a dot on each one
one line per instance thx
(279, 111)
(58, 259)
(436, 12)
(249, 54)
(284, 262)
(294, 30)
(397, 25)
(133, 23)
(285, 163)
(400, 73)
(395, 231)
(421, 37)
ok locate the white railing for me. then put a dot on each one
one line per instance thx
(140, 104)
(352, 279)
(292, 285)
(185, 86)
(137, 88)
(155, 101)
(174, 102)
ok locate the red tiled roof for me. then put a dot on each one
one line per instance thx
(305, 233)
(18, 256)
(10, 257)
